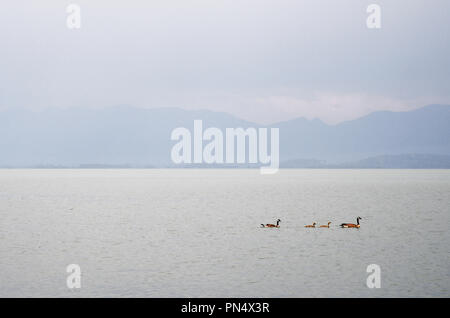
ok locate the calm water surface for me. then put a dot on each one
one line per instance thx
(195, 233)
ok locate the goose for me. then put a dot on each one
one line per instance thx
(351, 225)
(272, 225)
(328, 225)
(313, 225)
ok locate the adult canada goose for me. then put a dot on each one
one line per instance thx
(312, 225)
(349, 225)
(328, 225)
(272, 225)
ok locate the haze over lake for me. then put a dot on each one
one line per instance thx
(196, 233)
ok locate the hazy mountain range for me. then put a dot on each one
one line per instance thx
(134, 137)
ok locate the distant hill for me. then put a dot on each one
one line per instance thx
(129, 137)
(303, 163)
(114, 136)
(404, 161)
(422, 131)
(407, 161)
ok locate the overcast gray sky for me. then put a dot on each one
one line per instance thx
(260, 60)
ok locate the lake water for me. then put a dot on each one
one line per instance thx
(196, 233)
